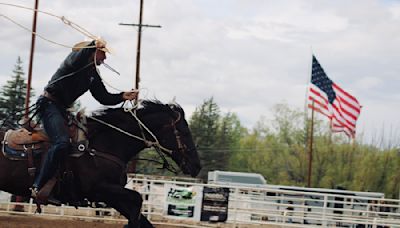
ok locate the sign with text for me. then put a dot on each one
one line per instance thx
(215, 204)
(183, 202)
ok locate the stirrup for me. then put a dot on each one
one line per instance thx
(34, 195)
(34, 192)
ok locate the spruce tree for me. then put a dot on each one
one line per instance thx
(204, 125)
(12, 97)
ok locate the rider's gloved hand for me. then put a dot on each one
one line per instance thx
(130, 95)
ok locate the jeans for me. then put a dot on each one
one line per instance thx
(54, 123)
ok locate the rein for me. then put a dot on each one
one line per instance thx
(33, 109)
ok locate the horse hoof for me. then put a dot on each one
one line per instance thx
(54, 201)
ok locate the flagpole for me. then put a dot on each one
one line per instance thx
(330, 131)
(310, 147)
(311, 131)
(308, 85)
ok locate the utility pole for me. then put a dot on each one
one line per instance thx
(139, 42)
(132, 167)
(20, 207)
(28, 87)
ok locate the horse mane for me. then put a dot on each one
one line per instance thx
(145, 107)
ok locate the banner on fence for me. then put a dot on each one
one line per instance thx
(215, 204)
(183, 202)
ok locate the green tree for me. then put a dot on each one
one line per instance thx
(12, 97)
(232, 129)
(281, 153)
(227, 139)
(216, 135)
(204, 125)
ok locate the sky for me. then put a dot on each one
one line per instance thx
(249, 55)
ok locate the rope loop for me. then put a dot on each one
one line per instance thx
(134, 106)
(66, 21)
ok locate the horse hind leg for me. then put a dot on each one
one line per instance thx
(125, 201)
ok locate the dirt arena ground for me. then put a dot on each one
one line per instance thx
(24, 221)
(27, 221)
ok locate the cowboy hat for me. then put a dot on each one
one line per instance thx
(86, 44)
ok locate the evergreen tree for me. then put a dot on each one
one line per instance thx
(12, 97)
(204, 125)
(228, 137)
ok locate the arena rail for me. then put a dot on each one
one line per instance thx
(247, 206)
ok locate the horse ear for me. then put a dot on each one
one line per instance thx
(172, 103)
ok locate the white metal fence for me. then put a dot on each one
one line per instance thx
(292, 208)
(252, 206)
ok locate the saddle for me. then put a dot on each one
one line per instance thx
(18, 144)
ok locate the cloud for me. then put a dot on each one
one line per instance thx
(248, 55)
(368, 83)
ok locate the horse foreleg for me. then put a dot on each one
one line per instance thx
(125, 201)
(144, 222)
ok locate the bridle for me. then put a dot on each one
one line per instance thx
(181, 146)
(160, 149)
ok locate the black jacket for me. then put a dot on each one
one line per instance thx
(76, 75)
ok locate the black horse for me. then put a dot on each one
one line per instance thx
(115, 136)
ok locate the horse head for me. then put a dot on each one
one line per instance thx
(168, 123)
(161, 125)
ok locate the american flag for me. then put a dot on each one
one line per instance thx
(327, 98)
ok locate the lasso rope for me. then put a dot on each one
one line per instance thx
(75, 26)
(66, 21)
(27, 29)
(148, 143)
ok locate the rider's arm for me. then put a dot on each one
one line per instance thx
(100, 93)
